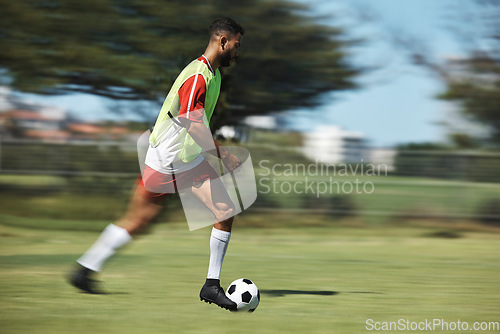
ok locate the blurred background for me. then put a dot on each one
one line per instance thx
(374, 132)
(411, 86)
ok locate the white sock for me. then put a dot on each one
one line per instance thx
(218, 246)
(112, 238)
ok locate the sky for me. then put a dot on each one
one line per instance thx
(396, 104)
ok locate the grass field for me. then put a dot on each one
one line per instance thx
(392, 196)
(312, 280)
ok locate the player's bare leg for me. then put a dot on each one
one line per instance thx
(138, 215)
(222, 208)
(213, 195)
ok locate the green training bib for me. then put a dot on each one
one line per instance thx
(171, 108)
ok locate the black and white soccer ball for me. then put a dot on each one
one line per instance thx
(245, 294)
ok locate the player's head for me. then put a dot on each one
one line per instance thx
(226, 34)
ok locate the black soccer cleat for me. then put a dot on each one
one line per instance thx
(80, 278)
(212, 292)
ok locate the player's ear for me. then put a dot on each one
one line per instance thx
(223, 41)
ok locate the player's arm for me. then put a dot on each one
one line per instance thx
(230, 160)
(203, 137)
(191, 116)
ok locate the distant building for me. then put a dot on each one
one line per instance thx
(382, 156)
(236, 133)
(85, 131)
(26, 120)
(21, 119)
(29, 124)
(6, 99)
(266, 122)
(332, 144)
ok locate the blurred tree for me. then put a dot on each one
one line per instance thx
(134, 49)
(464, 141)
(472, 80)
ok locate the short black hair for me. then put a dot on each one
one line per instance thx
(225, 24)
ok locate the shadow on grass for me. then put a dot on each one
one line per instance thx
(377, 293)
(106, 293)
(282, 293)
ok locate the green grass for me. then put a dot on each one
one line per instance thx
(392, 197)
(31, 180)
(384, 274)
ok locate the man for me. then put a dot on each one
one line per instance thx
(173, 162)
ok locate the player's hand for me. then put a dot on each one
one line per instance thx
(231, 162)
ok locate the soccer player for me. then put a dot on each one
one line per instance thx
(173, 162)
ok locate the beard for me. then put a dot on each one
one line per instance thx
(226, 60)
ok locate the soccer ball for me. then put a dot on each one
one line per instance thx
(245, 294)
